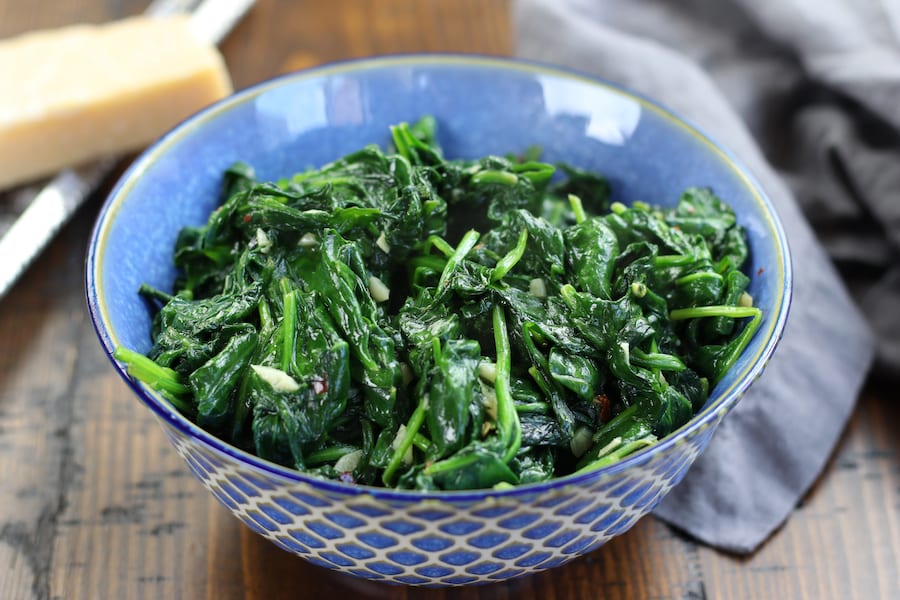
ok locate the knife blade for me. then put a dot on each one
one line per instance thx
(54, 204)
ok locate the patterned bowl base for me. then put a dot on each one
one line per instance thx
(446, 542)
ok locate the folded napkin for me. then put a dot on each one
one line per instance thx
(807, 95)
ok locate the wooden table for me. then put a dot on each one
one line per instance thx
(95, 504)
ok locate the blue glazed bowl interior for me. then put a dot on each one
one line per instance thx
(482, 106)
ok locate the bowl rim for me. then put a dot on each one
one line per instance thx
(708, 416)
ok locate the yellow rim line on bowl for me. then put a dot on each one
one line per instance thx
(198, 120)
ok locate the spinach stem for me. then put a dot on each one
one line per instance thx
(421, 442)
(433, 263)
(507, 417)
(450, 464)
(700, 275)
(500, 177)
(656, 360)
(616, 421)
(148, 291)
(266, 323)
(512, 257)
(159, 378)
(739, 344)
(577, 208)
(439, 243)
(465, 245)
(533, 407)
(183, 406)
(328, 455)
(288, 326)
(674, 260)
(735, 312)
(400, 140)
(618, 453)
(567, 291)
(412, 428)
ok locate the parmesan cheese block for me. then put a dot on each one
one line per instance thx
(72, 95)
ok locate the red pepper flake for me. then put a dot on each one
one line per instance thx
(320, 385)
(248, 217)
(602, 400)
(760, 271)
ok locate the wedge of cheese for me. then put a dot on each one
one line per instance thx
(72, 95)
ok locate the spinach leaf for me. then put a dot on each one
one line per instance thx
(397, 318)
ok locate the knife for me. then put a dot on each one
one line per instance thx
(55, 203)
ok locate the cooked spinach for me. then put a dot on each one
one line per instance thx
(400, 319)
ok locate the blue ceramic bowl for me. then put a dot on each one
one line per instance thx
(482, 105)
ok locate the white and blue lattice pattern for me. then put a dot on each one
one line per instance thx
(438, 540)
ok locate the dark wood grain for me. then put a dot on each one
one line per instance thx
(95, 504)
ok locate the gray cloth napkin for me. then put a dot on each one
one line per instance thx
(807, 95)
